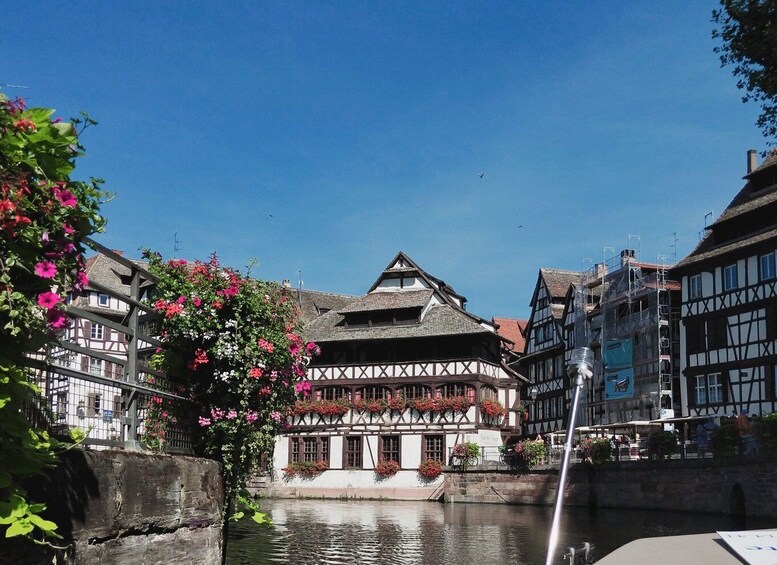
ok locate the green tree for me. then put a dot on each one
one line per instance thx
(747, 30)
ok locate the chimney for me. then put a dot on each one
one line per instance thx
(286, 283)
(627, 256)
(752, 160)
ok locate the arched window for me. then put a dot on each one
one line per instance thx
(414, 392)
(373, 393)
(488, 393)
(451, 390)
(333, 393)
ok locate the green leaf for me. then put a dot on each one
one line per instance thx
(19, 528)
(261, 518)
(45, 525)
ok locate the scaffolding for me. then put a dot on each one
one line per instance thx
(630, 302)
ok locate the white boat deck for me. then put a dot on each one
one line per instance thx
(674, 550)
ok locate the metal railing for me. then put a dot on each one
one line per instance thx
(108, 392)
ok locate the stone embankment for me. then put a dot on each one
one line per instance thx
(743, 487)
(117, 507)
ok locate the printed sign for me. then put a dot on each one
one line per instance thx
(756, 547)
(619, 384)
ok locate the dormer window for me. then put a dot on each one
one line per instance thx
(103, 299)
(730, 277)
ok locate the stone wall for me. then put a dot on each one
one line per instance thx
(117, 507)
(747, 488)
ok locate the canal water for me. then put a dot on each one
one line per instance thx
(336, 532)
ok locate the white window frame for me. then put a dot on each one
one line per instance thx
(767, 269)
(97, 331)
(103, 299)
(95, 366)
(714, 388)
(694, 287)
(730, 277)
(700, 390)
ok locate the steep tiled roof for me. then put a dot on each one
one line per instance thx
(441, 320)
(751, 202)
(393, 300)
(512, 329)
(558, 281)
(313, 303)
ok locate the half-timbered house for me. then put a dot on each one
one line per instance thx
(405, 373)
(96, 347)
(544, 357)
(729, 304)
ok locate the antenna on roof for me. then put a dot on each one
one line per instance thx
(710, 214)
(299, 294)
(176, 245)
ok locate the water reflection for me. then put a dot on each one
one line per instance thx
(427, 533)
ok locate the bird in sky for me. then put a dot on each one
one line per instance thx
(520, 227)
(482, 175)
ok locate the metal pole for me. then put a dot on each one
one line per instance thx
(581, 363)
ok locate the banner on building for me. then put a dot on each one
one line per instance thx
(618, 354)
(619, 384)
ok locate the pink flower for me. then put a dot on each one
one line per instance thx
(303, 387)
(266, 345)
(67, 229)
(66, 198)
(57, 319)
(264, 391)
(231, 415)
(217, 414)
(255, 372)
(48, 299)
(181, 299)
(275, 415)
(252, 417)
(204, 421)
(273, 375)
(46, 270)
(197, 301)
(81, 280)
(312, 348)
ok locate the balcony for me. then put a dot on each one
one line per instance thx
(416, 370)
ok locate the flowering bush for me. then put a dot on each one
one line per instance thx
(430, 469)
(424, 404)
(44, 217)
(492, 408)
(596, 449)
(397, 403)
(453, 403)
(322, 407)
(307, 469)
(465, 453)
(235, 341)
(371, 406)
(386, 469)
(531, 451)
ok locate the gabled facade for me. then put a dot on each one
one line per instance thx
(729, 304)
(408, 343)
(544, 354)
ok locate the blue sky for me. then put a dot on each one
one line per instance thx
(327, 136)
